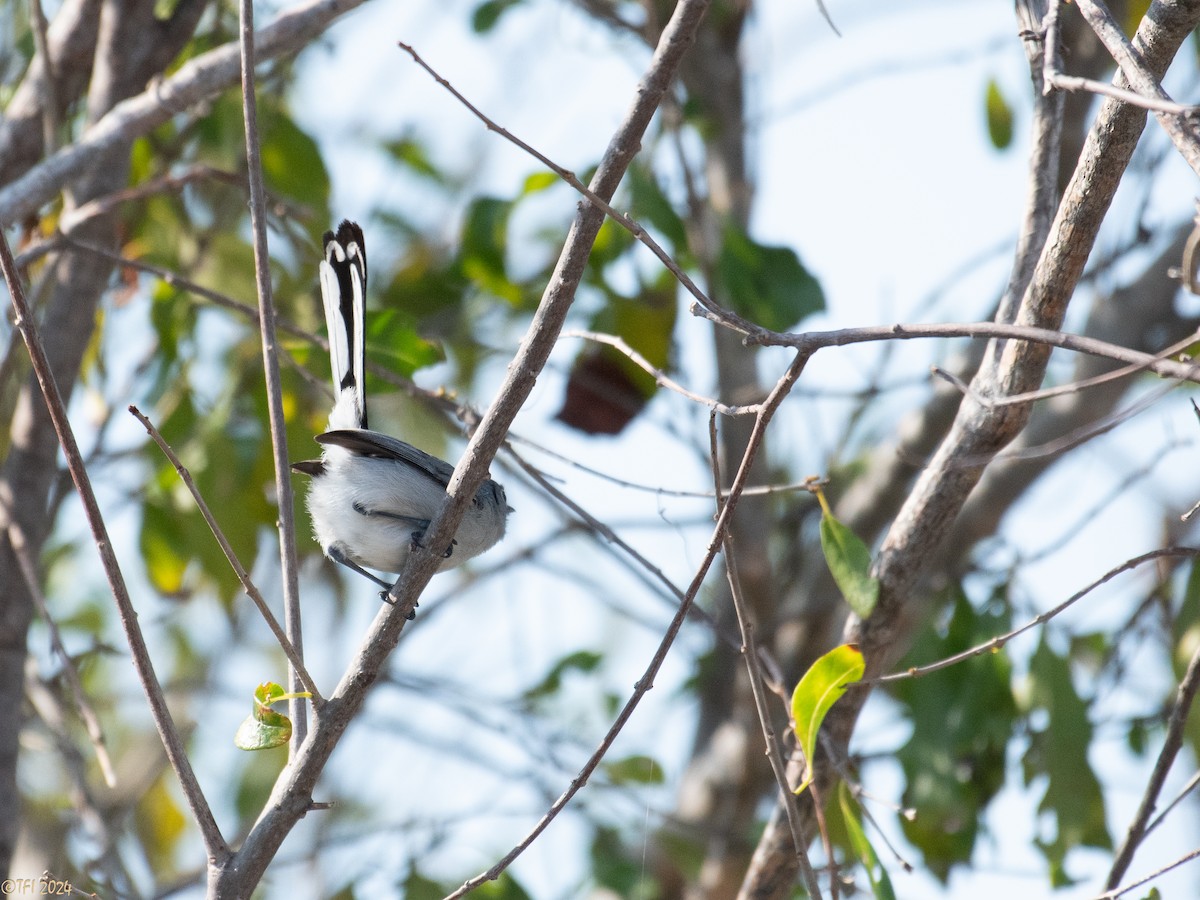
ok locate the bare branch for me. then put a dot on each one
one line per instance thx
(72, 218)
(70, 49)
(932, 508)
(750, 653)
(49, 81)
(297, 707)
(813, 341)
(1185, 694)
(1114, 893)
(1059, 390)
(1001, 640)
(660, 377)
(1154, 104)
(252, 590)
(291, 797)
(726, 510)
(173, 744)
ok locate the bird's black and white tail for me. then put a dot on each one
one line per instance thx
(343, 274)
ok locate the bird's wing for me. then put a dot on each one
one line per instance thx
(372, 443)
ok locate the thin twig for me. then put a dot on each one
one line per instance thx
(1114, 893)
(174, 279)
(761, 490)
(750, 652)
(1061, 389)
(1051, 49)
(214, 843)
(861, 795)
(1179, 798)
(999, 641)
(570, 178)
(270, 351)
(1074, 438)
(91, 722)
(251, 589)
(778, 393)
(1106, 89)
(73, 218)
(660, 377)
(773, 677)
(813, 341)
(1172, 743)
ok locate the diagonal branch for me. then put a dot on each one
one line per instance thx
(725, 515)
(291, 797)
(931, 510)
(252, 591)
(1185, 695)
(214, 843)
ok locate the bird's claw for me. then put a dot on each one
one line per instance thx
(385, 596)
(417, 538)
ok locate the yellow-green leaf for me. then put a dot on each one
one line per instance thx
(264, 728)
(999, 117)
(849, 562)
(816, 692)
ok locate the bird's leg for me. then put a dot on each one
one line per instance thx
(336, 553)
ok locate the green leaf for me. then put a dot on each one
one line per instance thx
(962, 720)
(538, 182)
(1134, 11)
(651, 205)
(1073, 798)
(412, 154)
(503, 888)
(767, 285)
(419, 887)
(264, 728)
(160, 824)
(487, 14)
(160, 538)
(611, 244)
(619, 870)
(999, 117)
(877, 876)
(579, 661)
(637, 769)
(849, 562)
(484, 244)
(394, 342)
(822, 685)
(291, 161)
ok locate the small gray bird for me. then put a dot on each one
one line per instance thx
(372, 496)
